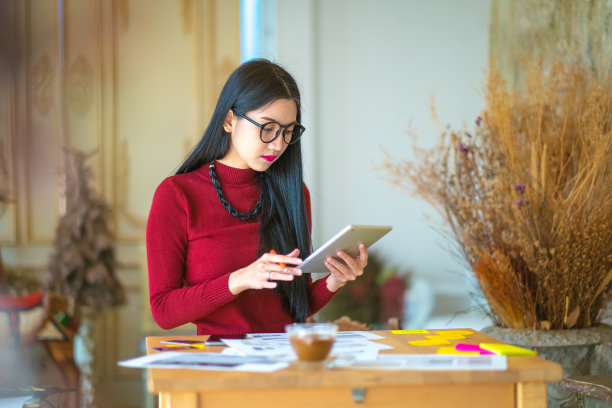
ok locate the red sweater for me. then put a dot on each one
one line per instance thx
(193, 244)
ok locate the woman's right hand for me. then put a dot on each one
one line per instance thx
(263, 273)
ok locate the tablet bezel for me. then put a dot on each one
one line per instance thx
(346, 239)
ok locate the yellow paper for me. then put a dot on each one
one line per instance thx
(436, 342)
(507, 349)
(454, 332)
(451, 350)
(451, 336)
(409, 331)
(196, 345)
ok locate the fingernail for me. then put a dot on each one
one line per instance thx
(299, 272)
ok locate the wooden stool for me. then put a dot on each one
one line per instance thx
(597, 386)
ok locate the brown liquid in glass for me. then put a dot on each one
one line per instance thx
(312, 347)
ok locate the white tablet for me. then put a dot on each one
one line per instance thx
(348, 240)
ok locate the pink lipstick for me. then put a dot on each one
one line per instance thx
(268, 158)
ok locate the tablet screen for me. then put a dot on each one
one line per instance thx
(347, 239)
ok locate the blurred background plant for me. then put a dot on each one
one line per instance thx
(82, 266)
(527, 195)
(373, 298)
(83, 269)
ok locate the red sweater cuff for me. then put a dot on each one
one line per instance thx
(217, 292)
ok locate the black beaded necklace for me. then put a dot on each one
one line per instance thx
(234, 212)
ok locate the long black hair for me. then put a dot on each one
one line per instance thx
(283, 219)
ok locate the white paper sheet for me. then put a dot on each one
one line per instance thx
(355, 345)
(205, 361)
(427, 362)
(355, 334)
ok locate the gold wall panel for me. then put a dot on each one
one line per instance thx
(82, 83)
(8, 216)
(41, 139)
(138, 84)
(154, 105)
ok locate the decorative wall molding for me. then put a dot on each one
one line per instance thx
(42, 84)
(78, 83)
(122, 183)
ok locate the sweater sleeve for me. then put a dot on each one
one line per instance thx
(172, 304)
(318, 294)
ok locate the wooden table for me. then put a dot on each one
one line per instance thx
(522, 385)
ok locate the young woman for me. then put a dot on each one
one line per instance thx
(237, 197)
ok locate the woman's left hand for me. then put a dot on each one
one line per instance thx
(349, 270)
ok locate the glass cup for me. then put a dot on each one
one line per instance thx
(311, 342)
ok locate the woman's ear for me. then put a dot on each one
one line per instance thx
(228, 123)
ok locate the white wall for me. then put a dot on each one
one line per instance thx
(367, 70)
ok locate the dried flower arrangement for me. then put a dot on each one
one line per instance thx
(83, 263)
(528, 196)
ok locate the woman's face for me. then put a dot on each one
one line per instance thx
(246, 148)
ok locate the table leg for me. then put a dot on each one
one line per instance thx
(178, 400)
(531, 395)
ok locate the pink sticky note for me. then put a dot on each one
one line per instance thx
(471, 347)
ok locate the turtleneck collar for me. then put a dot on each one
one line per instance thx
(233, 175)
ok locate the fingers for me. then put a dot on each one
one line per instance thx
(281, 272)
(285, 274)
(340, 270)
(346, 268)
(349, 266)
(266, 272)
(360, 261)
(270, 269)
(350, 262)
(363, 254)
(283, 260)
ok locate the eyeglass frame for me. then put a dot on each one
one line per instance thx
(278, 132)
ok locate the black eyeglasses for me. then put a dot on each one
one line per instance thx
(268, 132)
